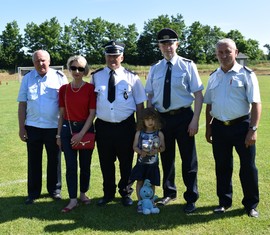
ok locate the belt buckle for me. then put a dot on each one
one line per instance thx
(172, 112)
(74, 123)
(226, 123)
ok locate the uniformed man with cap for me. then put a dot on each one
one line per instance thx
(232, 116)
(173, 84)
(120, 94)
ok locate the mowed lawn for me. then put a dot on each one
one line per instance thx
(45, 217)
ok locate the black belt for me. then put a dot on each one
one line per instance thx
(176, 111)
(232, 122)
(76, 123)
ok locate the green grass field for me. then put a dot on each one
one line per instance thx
(45, 217)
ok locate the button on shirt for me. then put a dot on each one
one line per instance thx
(231, 93)
(185, 80)
(129, 92)
(41, 95)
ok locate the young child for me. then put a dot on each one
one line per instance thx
(148, 142)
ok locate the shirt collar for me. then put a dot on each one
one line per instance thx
(172, 60)
(236, 68)
(117, 71)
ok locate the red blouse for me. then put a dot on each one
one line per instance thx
(78, 101)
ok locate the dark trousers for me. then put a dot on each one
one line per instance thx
(115, 140)
(85, 157)
(224, 139)
(37, 137)
(175, 129)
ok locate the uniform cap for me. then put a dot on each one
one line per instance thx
(167, 35)
(114, 48)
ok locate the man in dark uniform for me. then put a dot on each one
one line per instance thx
(232, 115)
(120, 93)
(172, 85)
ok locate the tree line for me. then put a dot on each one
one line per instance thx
(87, 37)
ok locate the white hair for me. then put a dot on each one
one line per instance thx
(43, 51)
(226, 41)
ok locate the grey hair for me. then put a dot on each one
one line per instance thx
(43, 51)
(80, 59)
(226, 41)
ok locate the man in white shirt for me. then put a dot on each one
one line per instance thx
(38, 113)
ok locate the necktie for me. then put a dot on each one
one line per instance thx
(167, 87)
(111, 87)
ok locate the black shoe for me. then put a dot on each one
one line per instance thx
(164, 201)
(29, 201)
(253, 213)
(103, 201)
(56, 196)
(221, 209)
(189, 208)
(127, 201)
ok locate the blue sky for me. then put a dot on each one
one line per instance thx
(251, 18)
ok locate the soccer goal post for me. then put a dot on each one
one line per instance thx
(24, 70)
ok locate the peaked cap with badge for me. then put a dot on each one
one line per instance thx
(114, 48)
(167, 35)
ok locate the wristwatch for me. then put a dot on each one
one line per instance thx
(254, 128)
(57, 136)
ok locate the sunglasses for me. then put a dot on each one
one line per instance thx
(74, 68)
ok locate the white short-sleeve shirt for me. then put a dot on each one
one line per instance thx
(231, 93)
(41, 96)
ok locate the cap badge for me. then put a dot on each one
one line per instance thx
(166, 37)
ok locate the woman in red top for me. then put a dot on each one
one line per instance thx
(77, 102)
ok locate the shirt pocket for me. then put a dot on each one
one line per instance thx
(101, 91)
(157, 82)
(32, 93)
(213, 88)
(52, 93)
(236, 83)
(237, 89)
(123, 92)
(179, 80)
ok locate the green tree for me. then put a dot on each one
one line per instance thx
(249, 47)
(11, 50)
(195, 43)
(212, 35)
(267, 46)
(201, 40)
(96, 35)
(66, 44)
(44, 36)
(130, 40)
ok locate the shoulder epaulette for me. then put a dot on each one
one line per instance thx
(133, 72)
(187, 60)
(248, 69)
(97, 71)
(60, 73)
(212, 72)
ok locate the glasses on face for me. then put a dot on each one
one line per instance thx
(74, 68)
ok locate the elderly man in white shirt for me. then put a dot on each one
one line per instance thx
(38, 113)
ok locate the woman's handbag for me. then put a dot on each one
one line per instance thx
(87, 141)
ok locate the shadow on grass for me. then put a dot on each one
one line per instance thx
(112, 217)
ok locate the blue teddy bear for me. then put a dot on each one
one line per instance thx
(147, 197)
